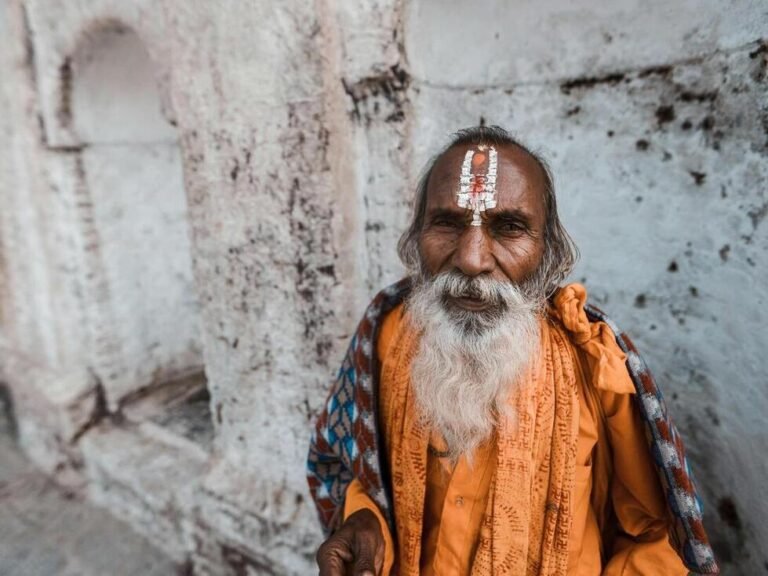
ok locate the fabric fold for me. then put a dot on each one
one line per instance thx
(607, 362)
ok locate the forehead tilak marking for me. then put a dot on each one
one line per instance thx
(477, 191)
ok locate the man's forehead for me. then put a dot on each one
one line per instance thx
(518, 173)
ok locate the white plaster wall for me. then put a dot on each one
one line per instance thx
(140, 213)
(302, 129)
(487, 42)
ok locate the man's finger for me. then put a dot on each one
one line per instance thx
(332, 556)
(365, 561)
(331, 565)
(364, 568)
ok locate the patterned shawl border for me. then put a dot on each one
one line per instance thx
(347, 439)
(669, 457)
(371, 467)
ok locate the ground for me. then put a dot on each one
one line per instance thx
(47, 531)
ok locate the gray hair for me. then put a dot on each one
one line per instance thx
(560, 251)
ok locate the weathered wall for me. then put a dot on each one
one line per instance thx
(300, 130)
(655, 122)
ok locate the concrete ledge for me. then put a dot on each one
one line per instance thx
(147, 481)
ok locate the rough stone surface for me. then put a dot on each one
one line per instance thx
(196, 186)
(47, 531)
(491, 43)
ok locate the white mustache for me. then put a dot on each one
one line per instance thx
(500, 296)
(481, 288)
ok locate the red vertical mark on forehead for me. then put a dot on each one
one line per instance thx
(478, 185)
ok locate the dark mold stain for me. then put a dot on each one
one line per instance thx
(656, 71)
(686, 125)
(707, 123)
(762, 48)
(761, 55)
(672, 266)
(481, 121)
(726, 509)
(698, 177)
(323, 347)
(64, 109)
(642, 145)
(714, 418)
(665, 114)
(699, 97)
(315, 272)
(693, 291)
(590, 82)
(757, 215)
(640, 301)
(610, 133)
(390, 87)
(573, 111)
(8, 412)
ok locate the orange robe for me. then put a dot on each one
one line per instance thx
(618, 518)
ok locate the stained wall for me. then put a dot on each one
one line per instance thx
(232, 184)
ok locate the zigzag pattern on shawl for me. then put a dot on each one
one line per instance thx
(668, 452)
(345, 443)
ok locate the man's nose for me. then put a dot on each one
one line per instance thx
(473, 254)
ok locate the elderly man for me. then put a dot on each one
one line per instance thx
(487, 420)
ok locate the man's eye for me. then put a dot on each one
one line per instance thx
(443, 223)
(509, 227)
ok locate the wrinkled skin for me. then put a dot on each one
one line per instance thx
(509, 245)
(357, 548)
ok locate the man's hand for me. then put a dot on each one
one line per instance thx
(357, 548)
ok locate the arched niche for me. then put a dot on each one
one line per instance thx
(146, 335)
(112, 95)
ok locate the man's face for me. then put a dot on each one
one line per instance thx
(508, 245)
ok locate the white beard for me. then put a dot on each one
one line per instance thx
(467, 362)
